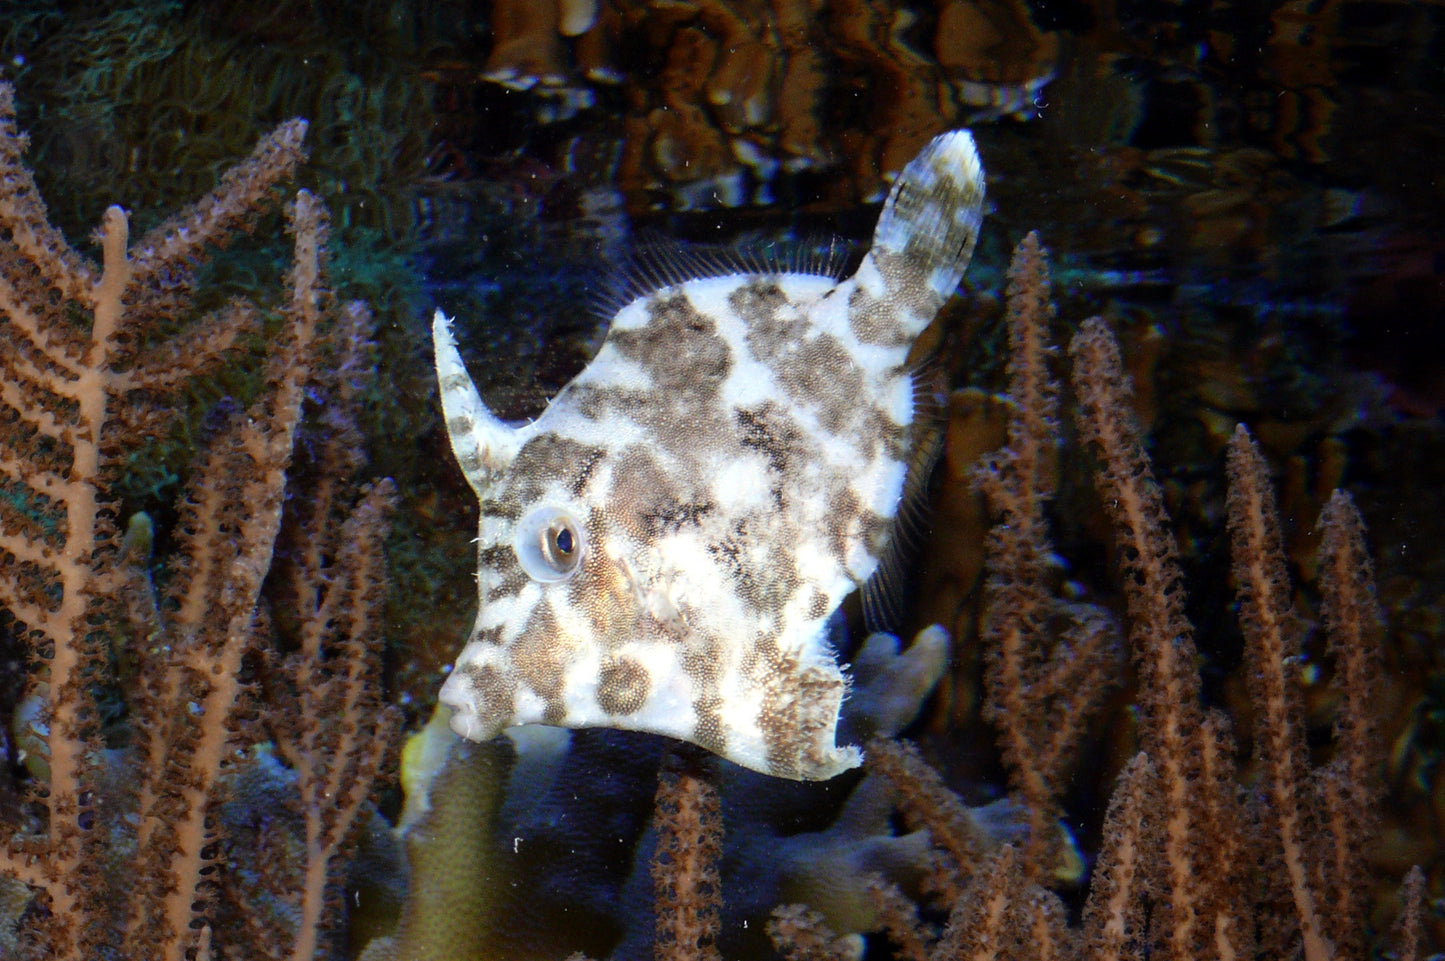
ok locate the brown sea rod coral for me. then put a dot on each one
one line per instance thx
(1191, 864)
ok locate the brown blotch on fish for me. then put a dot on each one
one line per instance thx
(881, 436)
(679, 347)
(543, 461)
(794, 711)
(825, 378)
(495, 689)
(622, 686)
(497, 557)
(767, 430)
(670, 518)
(760, 303)
(641, 488)
(540, 659)
(907, 284)
(512, 580)
(875, 321)
(707, 703)
(774, 328)
(768, 588)
(849, 521)
(728, 553)
(507, 510)
(777, 716)
(584, 475)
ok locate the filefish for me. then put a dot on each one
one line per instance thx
(661, 549)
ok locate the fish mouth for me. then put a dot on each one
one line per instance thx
(465, 719)
(469, 726)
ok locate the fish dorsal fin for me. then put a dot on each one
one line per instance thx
(657, 263)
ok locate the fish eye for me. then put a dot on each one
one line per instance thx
(549, 544)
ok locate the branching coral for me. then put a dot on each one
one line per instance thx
(1044, 681)
(123, 850)
(1191, 865)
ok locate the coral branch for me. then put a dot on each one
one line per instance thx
(197, 350)
(122, 846)
(1160, 635)
(1114, 916)
(1412, 899)
(1272, 643)
(215, 218)
(336, 733)
(926, 802)
(685, 865)
(240, 491)
(1042, 686)
(23, 213)
(800, 934)
(1349, 787)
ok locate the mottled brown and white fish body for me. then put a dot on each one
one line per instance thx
(661, 548)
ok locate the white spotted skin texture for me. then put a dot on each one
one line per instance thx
(732, 460)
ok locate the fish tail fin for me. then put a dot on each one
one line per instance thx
(930, 224)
